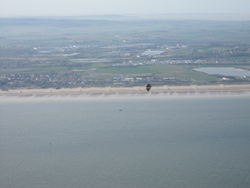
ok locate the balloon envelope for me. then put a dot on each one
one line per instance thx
(148, 87)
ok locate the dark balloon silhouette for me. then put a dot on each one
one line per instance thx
(148, 87)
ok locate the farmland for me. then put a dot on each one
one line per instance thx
(77, 53)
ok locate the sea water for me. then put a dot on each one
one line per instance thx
(127, 143)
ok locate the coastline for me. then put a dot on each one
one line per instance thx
(191, 90)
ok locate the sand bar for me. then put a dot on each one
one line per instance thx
(97, 91)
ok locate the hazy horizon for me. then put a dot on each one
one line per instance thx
(13, 8)
(119, 17)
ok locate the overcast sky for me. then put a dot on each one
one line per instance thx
(114, 7)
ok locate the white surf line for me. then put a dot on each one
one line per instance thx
(103, 94)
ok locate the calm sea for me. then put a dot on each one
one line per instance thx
(168, 142)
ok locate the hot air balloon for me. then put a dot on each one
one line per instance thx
(148, 87)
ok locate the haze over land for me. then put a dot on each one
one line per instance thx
(117, 43)
(119, 7)
(43, 53)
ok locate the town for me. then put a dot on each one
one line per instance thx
(35, 58)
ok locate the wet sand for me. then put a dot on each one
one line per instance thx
(110, 91)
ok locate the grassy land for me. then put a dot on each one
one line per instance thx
(127, 70)
(160, 71)
(178, 72)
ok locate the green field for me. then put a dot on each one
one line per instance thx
(127, 70)
(160, 71)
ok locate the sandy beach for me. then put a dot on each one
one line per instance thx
(107, 91)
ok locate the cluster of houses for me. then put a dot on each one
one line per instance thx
(40, 80)
(156, 62)
(149, 78)
(71, 79)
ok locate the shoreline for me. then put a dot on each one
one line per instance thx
(157, 91)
